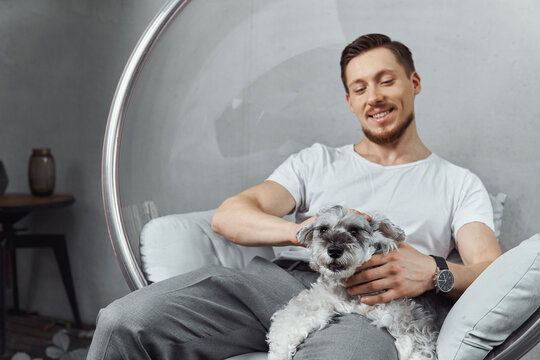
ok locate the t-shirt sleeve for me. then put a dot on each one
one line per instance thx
(294, 171)
(473, 205)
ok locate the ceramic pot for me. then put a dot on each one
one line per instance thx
(41, 172)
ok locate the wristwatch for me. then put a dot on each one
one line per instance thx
(443, 280)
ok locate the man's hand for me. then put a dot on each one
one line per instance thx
(368, 218)
(301, 225)
(405, 272)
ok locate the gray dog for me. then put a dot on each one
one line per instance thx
(341, 240)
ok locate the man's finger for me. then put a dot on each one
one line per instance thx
(368, 218)
(379, 298)
(365, 276)
(371, 287)
(376, 260)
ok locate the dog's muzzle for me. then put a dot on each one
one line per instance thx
(335, 251)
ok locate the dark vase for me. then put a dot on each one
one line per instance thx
(41, 171)
(3, 179)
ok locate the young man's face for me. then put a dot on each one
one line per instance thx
(381, 95)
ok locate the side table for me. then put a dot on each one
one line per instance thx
(14, 207)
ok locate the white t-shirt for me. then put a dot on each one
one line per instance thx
(430, 199)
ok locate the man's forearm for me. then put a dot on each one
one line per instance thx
(478, 248)
(241, 220)
(464, 275)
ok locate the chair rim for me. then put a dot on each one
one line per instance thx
(514, 347)
(520, 342)
(129, 265)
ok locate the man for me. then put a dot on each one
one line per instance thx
(217, 312)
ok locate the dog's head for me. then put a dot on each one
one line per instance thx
(341, 240)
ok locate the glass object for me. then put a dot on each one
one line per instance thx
(41, 172)
(233, 87)
(186, 151)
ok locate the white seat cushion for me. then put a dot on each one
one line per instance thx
(175, 244)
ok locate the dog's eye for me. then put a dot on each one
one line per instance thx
(323, 229)
(354, 232)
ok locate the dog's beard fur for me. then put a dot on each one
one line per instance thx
(351, 232)
(354, 255)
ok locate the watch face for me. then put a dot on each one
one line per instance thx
(445, 281)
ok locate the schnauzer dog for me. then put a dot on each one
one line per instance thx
(341, 240)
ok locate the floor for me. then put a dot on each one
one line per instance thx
(32, 334)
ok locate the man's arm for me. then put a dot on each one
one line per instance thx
(409, 273)
(478, 248)
(254, 217)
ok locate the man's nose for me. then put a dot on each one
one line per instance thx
(375, 95)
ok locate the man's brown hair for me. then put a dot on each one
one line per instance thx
(372, 41)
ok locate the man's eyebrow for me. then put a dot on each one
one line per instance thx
(378, 75)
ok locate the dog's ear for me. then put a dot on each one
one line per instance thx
(337, 210)
(382, 244)
(386, 235)
(305, 234)
(387, 228)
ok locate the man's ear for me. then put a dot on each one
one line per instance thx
(417, 83)
(305, 234)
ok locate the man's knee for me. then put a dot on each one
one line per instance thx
(116, 332)
(120, 317)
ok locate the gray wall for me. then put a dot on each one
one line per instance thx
(230, 90)
(60, 61)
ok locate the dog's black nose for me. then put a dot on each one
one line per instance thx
(335, 251)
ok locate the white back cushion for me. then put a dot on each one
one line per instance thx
(175, 244)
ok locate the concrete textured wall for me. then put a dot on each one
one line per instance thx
(60, 61)
(230, 90)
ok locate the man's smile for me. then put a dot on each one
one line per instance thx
(380, 115)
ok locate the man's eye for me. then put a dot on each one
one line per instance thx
(388, 82)
(360, 90)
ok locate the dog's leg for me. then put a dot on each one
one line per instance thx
(291, 325)
(416, 340)
(404, 346)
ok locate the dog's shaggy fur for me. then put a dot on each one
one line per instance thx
(340, 241)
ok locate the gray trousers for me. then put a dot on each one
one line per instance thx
(216, 313)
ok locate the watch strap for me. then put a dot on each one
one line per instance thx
(440, 261)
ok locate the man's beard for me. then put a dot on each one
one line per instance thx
(391, 136)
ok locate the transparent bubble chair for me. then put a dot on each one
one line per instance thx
(215, 95)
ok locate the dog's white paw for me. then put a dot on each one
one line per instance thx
(404, 346)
